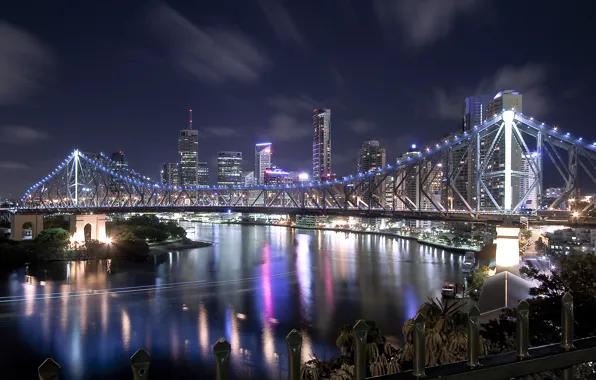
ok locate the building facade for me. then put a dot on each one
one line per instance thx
(275, 176)
(249, 178)
(321, 144)
(262, 161)
(170, 174)
(371, 157)
(188, 150)
(229, 169)
(203, 174)
(475, 111)
(529, 184)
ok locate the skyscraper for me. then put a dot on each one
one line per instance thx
(529, 164)
(475, 111)
(321, 144)
(170, 174)
(370, 157)
(119, 160)
(506, 157)
(203, 174)
(504, 100)
(229, 169)
(188, 149)
(262, 161)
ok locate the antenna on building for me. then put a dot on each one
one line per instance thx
(190, 119)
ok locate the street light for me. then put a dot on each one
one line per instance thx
(575, 214)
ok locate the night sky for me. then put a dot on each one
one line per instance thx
(121, 75)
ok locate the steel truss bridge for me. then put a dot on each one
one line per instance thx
(492, 170)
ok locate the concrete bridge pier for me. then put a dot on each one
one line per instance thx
(95, 224)
(18, 222)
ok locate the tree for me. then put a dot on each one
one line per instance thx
(574, 274)
(56, 222)
(539, 245)
(445, 334)
(54, 237)
(476, 279)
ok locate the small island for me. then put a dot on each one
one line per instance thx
(130, 238)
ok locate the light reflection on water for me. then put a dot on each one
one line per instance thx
(252, 287)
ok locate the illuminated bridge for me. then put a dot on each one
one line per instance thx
(492, 170)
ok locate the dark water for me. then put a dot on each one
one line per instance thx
(252, 287)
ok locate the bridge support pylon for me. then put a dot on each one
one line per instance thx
(96, 224)
(20, 222)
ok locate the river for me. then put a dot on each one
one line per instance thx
(252, 286)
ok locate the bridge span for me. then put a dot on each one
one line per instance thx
(456, 179)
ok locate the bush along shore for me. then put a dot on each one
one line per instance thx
(136, 238)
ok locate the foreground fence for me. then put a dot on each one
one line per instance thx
(524, 361)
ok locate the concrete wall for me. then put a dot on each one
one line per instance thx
(97, 223)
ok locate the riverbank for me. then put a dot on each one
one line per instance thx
(177, 245)
(419, 240)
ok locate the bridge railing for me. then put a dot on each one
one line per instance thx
(524, 361)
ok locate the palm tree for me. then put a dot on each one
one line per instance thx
(446, 339)
(345, 340)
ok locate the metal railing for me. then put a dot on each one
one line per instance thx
(524, 361)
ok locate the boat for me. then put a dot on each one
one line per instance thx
(469, 261)
(448, 290)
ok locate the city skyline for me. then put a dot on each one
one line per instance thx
(60, 98)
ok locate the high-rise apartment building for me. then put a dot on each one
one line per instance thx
(321, 144)
(528, 165)
(475, 111)
(262, 161)
(504, 100)
(203, 174)
(506, 157)
(229, 169)
(170, 174)
(188, 149)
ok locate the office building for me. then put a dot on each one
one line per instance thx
(188, 149)
(170, 174)
(202, 174)
(262, 161)
(275, 176)
(249, 178)
(119, 160)
(229, 169)
(371, 157)
(321, 144)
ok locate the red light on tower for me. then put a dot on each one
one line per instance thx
(267, 150)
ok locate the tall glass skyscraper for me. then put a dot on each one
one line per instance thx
(188, 149)
(262, 161)
(229, 169)
(321, 144)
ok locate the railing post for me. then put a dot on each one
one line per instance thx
(419, 364)
(49, 370)
(522, 339)
(140, 362)
(567, 321)
(294, 341)
(221, 351)
(473, 337)
(360, 333)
